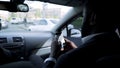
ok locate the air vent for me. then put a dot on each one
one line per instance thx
(17, 39)
(3, 40)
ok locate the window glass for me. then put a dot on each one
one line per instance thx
(41, 17)
(74, 29)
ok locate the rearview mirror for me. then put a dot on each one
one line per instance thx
(14, 7)
(22, 8)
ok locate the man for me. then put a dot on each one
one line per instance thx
(100, 47)
(104, 42)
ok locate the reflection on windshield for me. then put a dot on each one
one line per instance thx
(41, 17)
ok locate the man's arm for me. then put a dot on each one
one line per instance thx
(56, 52)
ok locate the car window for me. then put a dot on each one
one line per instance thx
(78, 23)
(40, 16)
(74, 29)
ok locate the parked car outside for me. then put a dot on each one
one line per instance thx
(4, 24)
(41, 25)
(16, 21)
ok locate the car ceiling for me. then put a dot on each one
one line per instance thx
(63, 2)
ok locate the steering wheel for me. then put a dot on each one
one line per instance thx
(56, 46)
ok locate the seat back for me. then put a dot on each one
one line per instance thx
(108, 54)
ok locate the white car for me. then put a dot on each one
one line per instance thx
(4, 24)
(41, 25)
(16, 21)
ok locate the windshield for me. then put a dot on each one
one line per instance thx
(41, 17)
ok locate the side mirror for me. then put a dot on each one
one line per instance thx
(75, 33)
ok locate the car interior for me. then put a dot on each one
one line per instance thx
(21, 45)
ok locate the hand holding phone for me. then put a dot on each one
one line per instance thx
(62, 41)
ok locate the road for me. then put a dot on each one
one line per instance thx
(15, 27)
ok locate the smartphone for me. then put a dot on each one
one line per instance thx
(62, 41)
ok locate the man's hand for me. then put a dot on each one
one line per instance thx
(56, 47)
(69, 45)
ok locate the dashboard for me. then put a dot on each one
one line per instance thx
(16, 46)
(12, 41)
